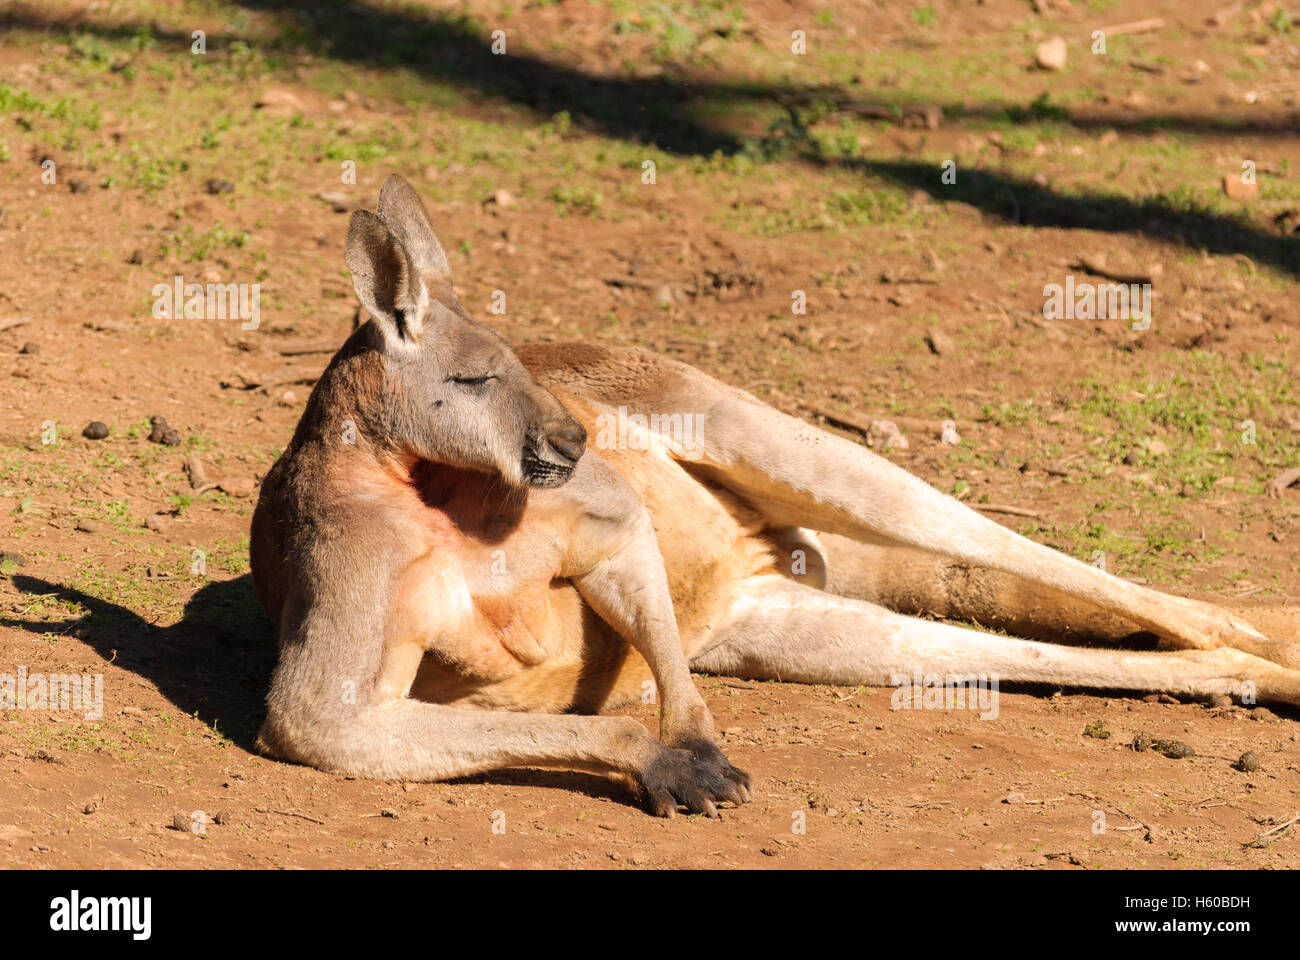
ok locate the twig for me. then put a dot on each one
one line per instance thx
(288, 813)
(263, 381)
(635, 283)
(1004, 508)
(1101, 270)
(16, 322)
(309, 346)
(1282, 481)
(1134, 26)
(1260, 842)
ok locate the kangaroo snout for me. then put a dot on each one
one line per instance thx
(568, 440)
(553, 451)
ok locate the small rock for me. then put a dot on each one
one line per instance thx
(940, 343)
(1051, 54)
(288, 398)
(1220, 700)
(279, 102)
(886, 434)
(1236, 190)
(133, 712)
(340, 202)
(157, 522)
(948, 433)
(216, 186)
(501, 198)
(90, 807)
(78, 186)
(136, 258)
(29, 348)
(95, 430)
(1157, 448)
(1014, 796)
(87, 526)
(1108, 138)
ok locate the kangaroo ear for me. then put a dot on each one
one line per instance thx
(386, 280)
(401, 208)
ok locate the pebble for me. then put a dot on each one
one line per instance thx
(95, 430)
(1236, 190)
(1247, 762)
(87, 526)
(1051, 54)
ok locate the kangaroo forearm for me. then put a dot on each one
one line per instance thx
(411, 740)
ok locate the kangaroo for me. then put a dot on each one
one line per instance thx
(460, 583)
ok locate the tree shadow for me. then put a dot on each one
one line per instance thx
(676, 114)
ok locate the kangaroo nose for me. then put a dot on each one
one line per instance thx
(569, 441)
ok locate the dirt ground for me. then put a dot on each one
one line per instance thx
(1149, 450)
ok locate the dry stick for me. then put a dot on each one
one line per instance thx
(1258, 841)
(260, 381)
(1101, 270)
(634, 282)
(309, 346)
(1004, 508)
(848, 422)
(108, 326)
(194, 467)
(1134, 26)
(288, 813)
(16, 322)
(1282, 481)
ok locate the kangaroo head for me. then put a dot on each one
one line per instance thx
(455, 392)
